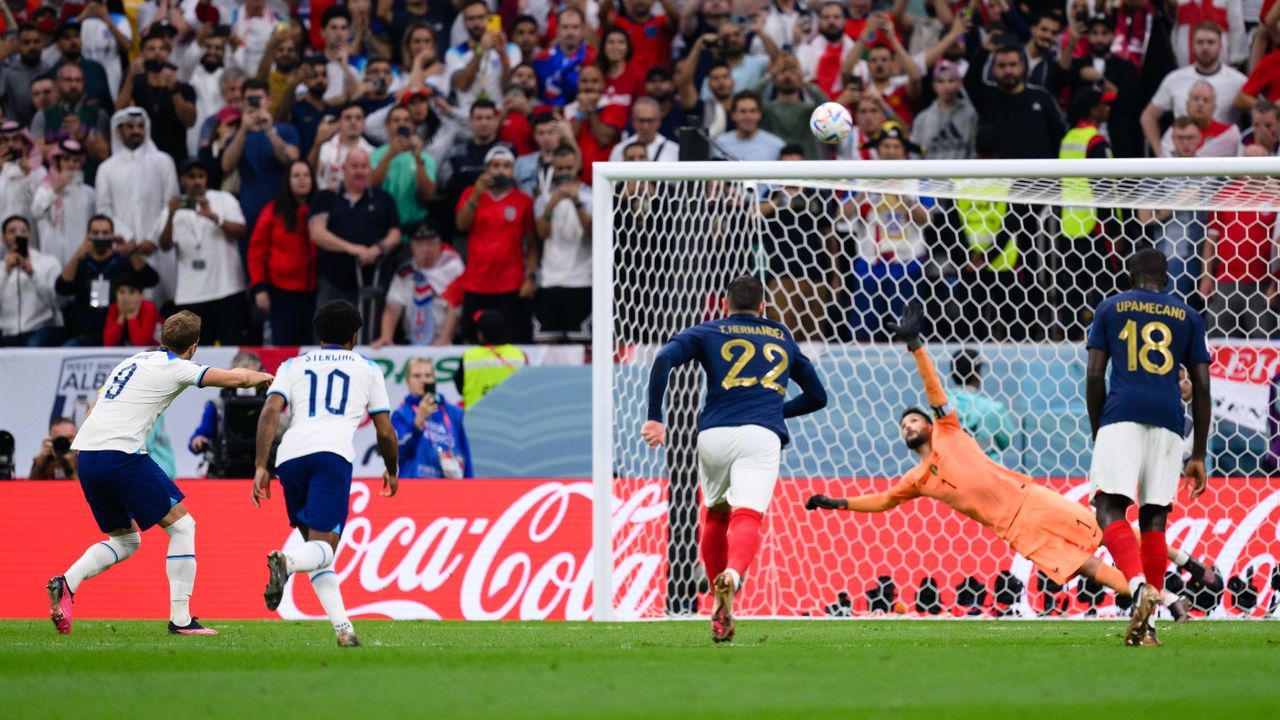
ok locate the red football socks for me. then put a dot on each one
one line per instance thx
(1119, 540)
(744, 539)
(715, 542)
(1155, 558)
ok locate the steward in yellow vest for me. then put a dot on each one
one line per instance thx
(487, 365)
(1089, 108)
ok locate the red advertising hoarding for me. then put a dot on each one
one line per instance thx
(521, 549)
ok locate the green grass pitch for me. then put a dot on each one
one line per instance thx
(791, 669)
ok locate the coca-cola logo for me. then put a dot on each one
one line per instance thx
(529, 558)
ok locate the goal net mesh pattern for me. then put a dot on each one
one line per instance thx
(1009, 271)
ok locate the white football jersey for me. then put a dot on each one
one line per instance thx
(328, 391)
(136, 392)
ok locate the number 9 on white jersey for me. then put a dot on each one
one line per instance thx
(328, 392)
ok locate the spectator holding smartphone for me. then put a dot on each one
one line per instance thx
(28, 303)
(433, 441)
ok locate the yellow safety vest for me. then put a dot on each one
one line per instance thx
(983, 220)
(485, 367)
(1077, 222)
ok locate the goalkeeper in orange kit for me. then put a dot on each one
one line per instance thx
(1058, 535)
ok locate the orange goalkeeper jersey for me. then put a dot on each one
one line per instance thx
(957, 471)
(961, 475)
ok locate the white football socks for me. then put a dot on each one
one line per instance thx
(737, 579)
(180, 566)
(325, 583)
(1180, 557)
(1135, 584)
(100, 556)
(313, 555)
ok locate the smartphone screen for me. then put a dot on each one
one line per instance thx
(494, 23)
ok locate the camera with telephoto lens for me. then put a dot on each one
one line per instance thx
(6, 455)
(61, 445)
(232, 454)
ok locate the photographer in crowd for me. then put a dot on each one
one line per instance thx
(227, 432)
(101, 262)
(56, 461)
(433, 442)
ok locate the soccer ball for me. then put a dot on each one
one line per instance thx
(831, 122)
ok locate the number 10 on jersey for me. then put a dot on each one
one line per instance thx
(331, 383)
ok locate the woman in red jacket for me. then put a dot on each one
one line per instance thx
(130, 319)
(282, 259)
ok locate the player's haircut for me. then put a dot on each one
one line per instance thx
(102, 218)
(751, 95)
(491, 326)
(335, 11)
(791, 149)
(13, 219)
(745, 293)
(1182, 121)
(337, 322)
(483, 104)
(180, 331)
(966, 367)
(1209, 26)
(913, 410)
(1148, 264)
(1266, 107)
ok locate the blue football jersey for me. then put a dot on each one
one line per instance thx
(1147, 336)
(748, 361)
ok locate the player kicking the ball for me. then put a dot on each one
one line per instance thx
(748, 360)
(1144, 335)
(126, 490)
(328, 391)
(1056, 534)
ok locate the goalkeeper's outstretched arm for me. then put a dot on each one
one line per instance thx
(906, 329)
(875, 502)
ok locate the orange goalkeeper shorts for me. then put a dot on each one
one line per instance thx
(1054, 533)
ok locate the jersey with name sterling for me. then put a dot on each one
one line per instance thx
(328, 391)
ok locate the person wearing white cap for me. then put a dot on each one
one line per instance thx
(502, 249)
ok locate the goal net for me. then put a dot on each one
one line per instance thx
(1009, 258)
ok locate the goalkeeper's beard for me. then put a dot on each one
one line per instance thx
(914, 442)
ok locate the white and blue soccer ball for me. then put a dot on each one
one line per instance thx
(831, 122)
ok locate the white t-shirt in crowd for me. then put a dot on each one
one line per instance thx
(133, 396)
(660, 150)
(209, 266)
(1171, 96)
(488, 80)
(566, 253)
(98, 44)
(328, 391)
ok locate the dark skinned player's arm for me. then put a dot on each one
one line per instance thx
(1095, 388)
(1201, 409)
(268, 421)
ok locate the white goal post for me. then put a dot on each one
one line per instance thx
(1011, 299)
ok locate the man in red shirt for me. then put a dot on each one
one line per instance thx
(1263, 82)
(1237, 283)
(597, 127)
(502, 252)
(650, 34)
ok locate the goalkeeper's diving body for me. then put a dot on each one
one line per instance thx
(1058, 535)
(748, 360)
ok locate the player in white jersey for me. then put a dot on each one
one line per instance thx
(327, 391)
(126, 490)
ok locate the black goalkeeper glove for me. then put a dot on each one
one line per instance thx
(822, 502)
(907, 328)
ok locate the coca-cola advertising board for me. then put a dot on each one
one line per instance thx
(522, 549)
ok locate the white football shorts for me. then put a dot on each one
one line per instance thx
(1140, 462)
(738, 465)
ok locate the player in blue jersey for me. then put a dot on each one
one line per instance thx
(126, 490)
(328, 392)
(748, 360)
(1144, 334)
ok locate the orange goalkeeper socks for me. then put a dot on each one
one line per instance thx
(714, 544)
(744, 539)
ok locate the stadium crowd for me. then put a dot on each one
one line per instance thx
(432, 159)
